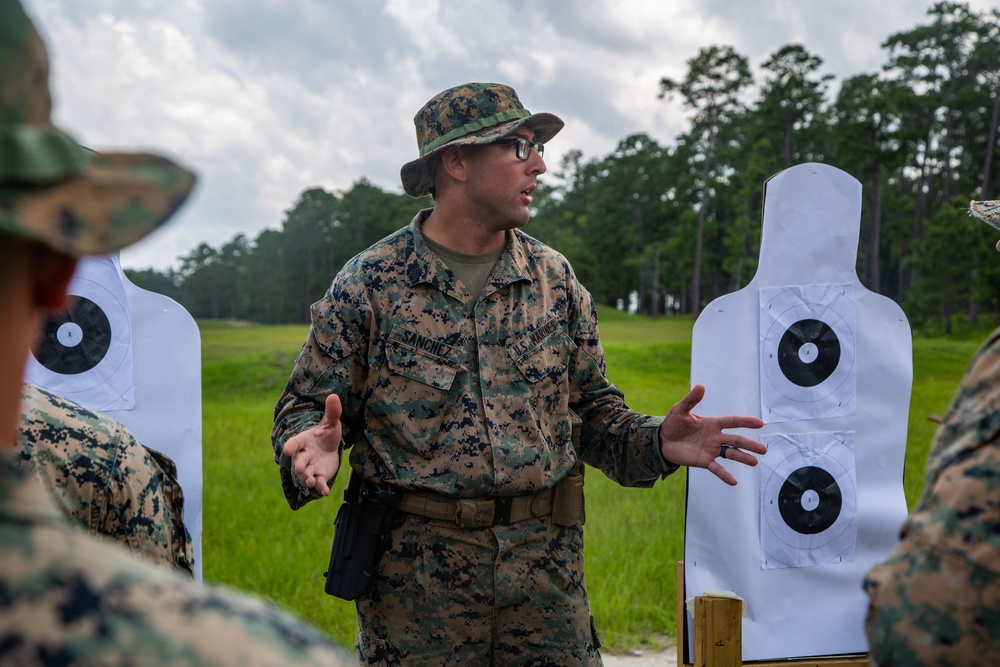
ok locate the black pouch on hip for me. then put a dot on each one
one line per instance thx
(360, 536)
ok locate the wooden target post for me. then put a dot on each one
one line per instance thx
(718, 636)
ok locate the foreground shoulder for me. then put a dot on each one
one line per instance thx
(973, 418)
(90, 603)
(48, 418)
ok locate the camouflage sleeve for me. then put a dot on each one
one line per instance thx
(621, 442)
(936, 599)
(141, 505)
(103, 478)
(181, 547)
(69, 453)
(332, 361)
(70, 599)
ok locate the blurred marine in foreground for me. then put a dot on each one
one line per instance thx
(67, 598)
(103, 479)
(936, 600)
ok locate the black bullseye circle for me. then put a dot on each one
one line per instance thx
(808, 352)
(810, 500)
(75, 341)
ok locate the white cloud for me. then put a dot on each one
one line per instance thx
(268, 98)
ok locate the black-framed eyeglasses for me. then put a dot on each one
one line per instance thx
(522, 146)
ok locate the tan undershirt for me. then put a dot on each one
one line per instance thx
(472, 270)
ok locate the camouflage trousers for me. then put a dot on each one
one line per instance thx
(507, 595)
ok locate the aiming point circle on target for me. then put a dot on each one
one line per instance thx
(807, 352)
(75, 340)
(85, 345)
(808, 500)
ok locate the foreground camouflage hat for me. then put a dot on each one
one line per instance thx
(473, 113)
(51, 189)
(987, 211)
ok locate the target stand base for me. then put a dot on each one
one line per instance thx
(718, 636)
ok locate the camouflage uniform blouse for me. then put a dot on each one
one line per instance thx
(103, 479)
(466, 395)
(936, 600)
(69, 599)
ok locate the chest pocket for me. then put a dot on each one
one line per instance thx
(416, 365)
(411, 398)
(542, 358)
(548, 358)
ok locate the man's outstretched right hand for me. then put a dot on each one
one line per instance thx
(315, 453)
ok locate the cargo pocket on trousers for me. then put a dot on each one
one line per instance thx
(593, 633)
(371, 651)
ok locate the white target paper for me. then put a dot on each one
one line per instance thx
(86, 352)
(808, 500)
(153, 360)
(815, 604)
(807, 352)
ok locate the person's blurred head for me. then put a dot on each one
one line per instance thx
(58, 200)
(52, 190)
(988, 212)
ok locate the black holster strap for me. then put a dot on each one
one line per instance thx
(477, 512)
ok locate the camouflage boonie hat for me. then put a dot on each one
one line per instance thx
(51, 189)
(473, 113)
(987, 211)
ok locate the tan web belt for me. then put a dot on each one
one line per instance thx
(477, 513)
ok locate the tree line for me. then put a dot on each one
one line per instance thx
(668, 228)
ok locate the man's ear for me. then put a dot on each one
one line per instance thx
(51, 272)
(454, 162)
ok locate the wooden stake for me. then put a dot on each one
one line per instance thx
(718, 627)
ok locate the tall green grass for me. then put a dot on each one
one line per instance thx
(634, 537)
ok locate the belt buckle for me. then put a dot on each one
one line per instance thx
(501, 510)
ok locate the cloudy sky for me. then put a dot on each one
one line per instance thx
(264, 98)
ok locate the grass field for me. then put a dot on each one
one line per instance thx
(253, 541)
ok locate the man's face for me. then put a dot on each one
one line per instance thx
(500, 185)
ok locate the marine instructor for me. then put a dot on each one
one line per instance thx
(460, 362)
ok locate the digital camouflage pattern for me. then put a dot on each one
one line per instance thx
(936, 600)
(987, 211)
(510, 595)
(473, 113)
(469, 396)
(51, 189)
(103, 479)
(464, 395)
(69, 599)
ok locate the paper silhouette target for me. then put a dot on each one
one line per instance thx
(85, 351)
(808, 500)
(807, 352)
(826, 363)
(135, 356)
